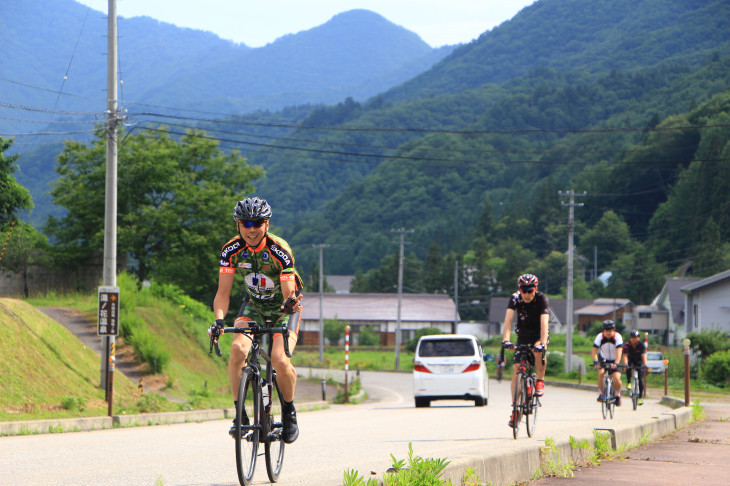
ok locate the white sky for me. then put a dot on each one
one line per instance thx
(257, 23)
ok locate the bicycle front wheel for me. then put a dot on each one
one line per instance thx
(610, 399)
(247, 436)
(606, 394)
(533, 404)
(273, 443)
(517, 404)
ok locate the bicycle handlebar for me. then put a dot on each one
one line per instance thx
(255, 330)
(522, 347)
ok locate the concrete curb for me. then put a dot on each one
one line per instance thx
(518, 466)
(99, 423)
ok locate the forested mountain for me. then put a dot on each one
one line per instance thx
(357, 53)
(627, 101)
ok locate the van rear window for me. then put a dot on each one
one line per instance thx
(446, 347)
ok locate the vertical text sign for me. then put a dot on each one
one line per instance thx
(108, 318)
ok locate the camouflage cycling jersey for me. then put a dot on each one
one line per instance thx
(263, 267)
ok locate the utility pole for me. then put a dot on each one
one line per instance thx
(569, 296)
(110, 204)
(456, 297)
(321, 247)
(402, 232)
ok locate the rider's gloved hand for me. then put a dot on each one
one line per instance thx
(215, 329)
(539, 347)
(507, 345)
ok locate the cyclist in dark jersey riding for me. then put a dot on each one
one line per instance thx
(267, 263)
(533, 317)
(635, 355)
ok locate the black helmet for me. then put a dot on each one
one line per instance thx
(635, 333)
(252, 208)
(609, 324)
(527, 281)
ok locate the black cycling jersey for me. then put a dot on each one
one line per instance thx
(634, 353)
(528, 314)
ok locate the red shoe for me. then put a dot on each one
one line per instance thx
(512, 420)
(540, 388)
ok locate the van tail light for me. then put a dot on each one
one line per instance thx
(418, 366)
(474, 366)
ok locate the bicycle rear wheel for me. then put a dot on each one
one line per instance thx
(517, 404)
(247, 436)
(635, 389)
(273, 443)
(532, 403)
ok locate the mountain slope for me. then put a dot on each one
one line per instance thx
(357, 53)
(590, 36)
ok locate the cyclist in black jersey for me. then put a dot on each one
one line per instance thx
(267, 263)
(533, 317)
(635, 355)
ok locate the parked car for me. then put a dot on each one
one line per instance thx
(450, 367)
(655, 362)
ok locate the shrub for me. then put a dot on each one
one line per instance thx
(716, 368)
(334, 330)
(368, 337)
(555, 363)
(73, 403)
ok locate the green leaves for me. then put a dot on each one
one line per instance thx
(175, 199)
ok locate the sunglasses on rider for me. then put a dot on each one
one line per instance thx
(525, 290)
(256, 223)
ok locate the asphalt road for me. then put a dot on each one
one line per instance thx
(360, 437)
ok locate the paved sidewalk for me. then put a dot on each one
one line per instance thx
(696, 454)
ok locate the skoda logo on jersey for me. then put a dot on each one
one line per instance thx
(281, 254)
(260, 283)
(230, 249)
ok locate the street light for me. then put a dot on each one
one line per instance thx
(686, 342)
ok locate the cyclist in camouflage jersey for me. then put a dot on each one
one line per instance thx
(267, 263)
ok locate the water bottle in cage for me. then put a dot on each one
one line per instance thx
(266, 395)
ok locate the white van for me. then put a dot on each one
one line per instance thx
(449, 367)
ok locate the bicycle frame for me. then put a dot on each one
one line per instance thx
(525, 401)
(608, 400)
(263, 427)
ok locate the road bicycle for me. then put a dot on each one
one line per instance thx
(500, 367)
(634, 391)
(255, 419)
(525, 402)
(608, 399)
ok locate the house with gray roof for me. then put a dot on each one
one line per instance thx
(707, 304)
(664, 317)
(378, 312)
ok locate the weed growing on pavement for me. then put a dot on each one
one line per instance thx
(472, 479)
(551, 464)
(417, 471)
(601, 447)
(698, 412)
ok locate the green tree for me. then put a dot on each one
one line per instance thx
(26, 248)
(13, 196)
(334, 330)
(611, 236)
(174, 204)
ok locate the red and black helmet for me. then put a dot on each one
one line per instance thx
(527, 281)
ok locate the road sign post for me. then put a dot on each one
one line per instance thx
(108, 327)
